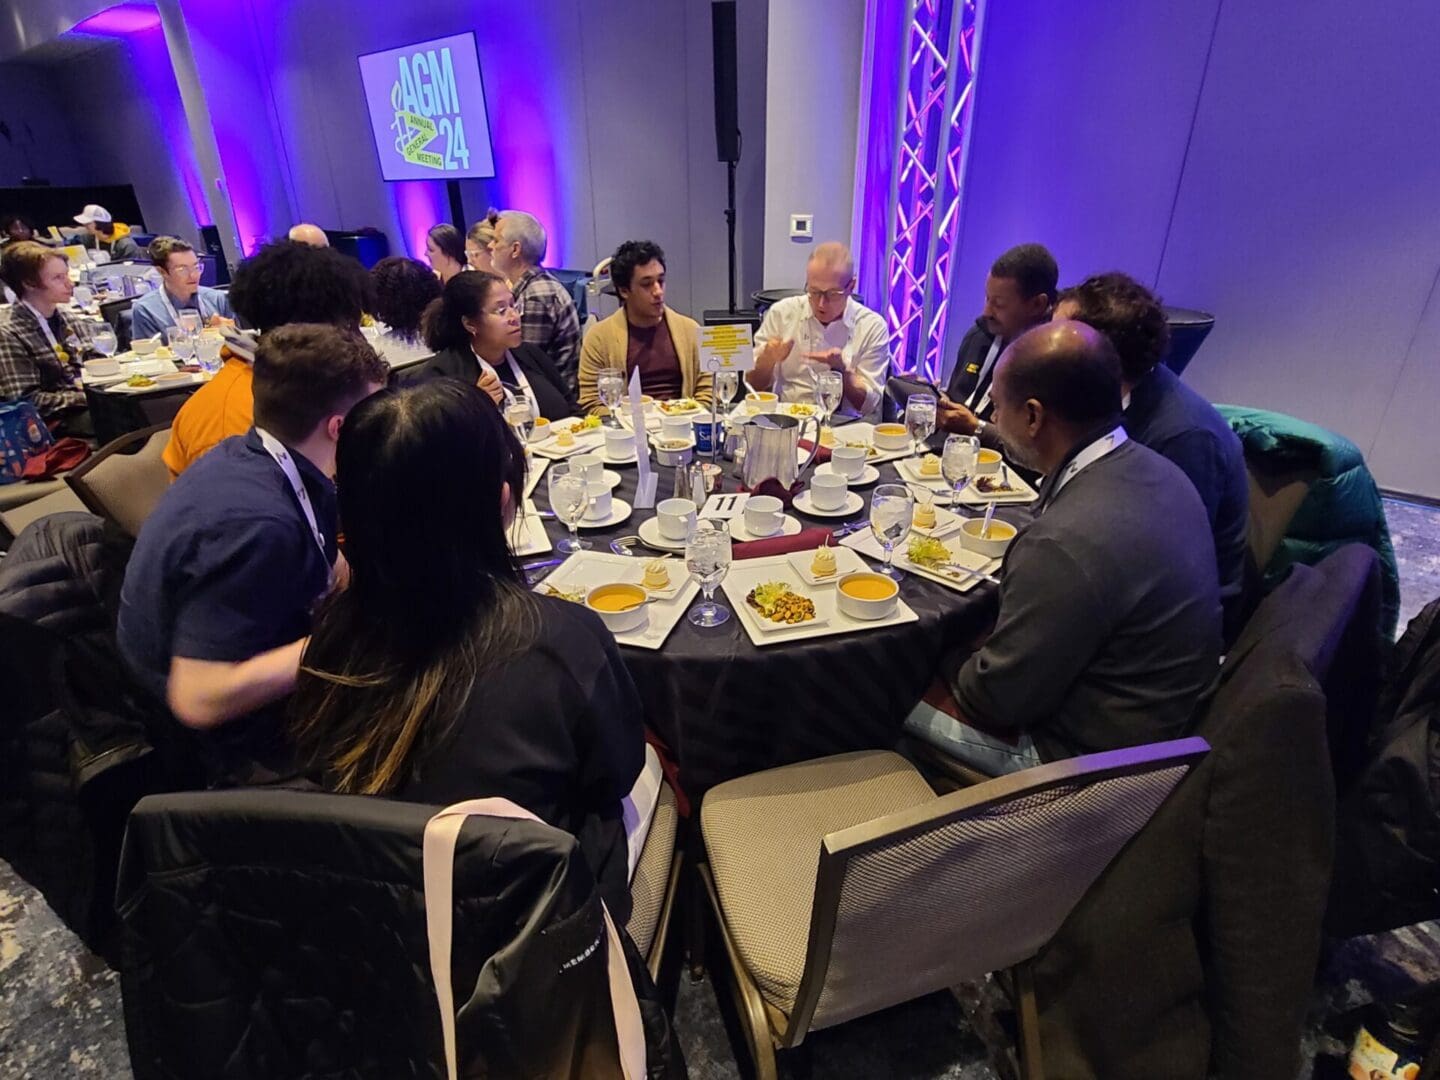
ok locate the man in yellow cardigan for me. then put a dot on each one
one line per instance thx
(643, 335)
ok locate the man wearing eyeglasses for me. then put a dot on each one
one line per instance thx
(825, 329)
(180, 290)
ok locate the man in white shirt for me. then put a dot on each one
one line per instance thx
(825, 329)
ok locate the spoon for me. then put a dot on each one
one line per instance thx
(985, 527)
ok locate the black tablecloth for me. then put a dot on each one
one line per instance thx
(727, 708)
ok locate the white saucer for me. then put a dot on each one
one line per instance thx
(853, 504)
(610, 477)
(620, 511)
(868, 475)
(631, 460)
(650, 536)
(789, 526)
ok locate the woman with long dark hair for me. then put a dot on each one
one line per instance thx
(445, 248)
(474, 329)
(436, 676)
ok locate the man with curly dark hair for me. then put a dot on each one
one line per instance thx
(284, 282)
(404, 288)
(644, 335)
(1165, 414)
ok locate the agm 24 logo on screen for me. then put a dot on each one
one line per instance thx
(427, 109)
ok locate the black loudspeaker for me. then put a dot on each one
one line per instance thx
(210, 237)
(727, 109)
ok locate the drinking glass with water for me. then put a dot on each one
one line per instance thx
(103, 339)
(892, 508)
(957, 463)
(521, 418)
(707, 558)
(610, 385)
(920, 419)
(568, 500)
(829, 392)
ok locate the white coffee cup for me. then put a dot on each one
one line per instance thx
(599, 507)
(675, 427)
(763, 515)
(848, 461)
(619, 444)
(828, 491)
(676, 517)
(590, 466)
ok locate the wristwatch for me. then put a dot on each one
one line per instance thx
(979, 428)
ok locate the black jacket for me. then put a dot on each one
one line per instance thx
(555, 401)
(974, 347)
(1387, 857)
(277, 933)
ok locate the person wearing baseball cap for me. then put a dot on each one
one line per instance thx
(100, 234)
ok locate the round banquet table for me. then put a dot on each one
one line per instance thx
(727, 708)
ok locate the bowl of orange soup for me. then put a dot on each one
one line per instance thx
(992, 541)
(892, 437)
(987, 461)
(866, 595)
(621, 606)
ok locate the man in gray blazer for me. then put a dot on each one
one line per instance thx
(1109, 624)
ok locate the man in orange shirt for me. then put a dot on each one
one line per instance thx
(284, 282)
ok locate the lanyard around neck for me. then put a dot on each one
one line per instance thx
(44, 324)
(283, 458)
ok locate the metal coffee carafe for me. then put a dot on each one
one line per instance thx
(772, 441)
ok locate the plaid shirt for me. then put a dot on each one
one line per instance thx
(548, 319)
(30, 367)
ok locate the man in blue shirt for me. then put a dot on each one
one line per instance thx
(180, 290)
(218, 594)
(1166, 415)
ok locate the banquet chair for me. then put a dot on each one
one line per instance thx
(844, 885)
(655, 884)
(275, 932)
(123, 483)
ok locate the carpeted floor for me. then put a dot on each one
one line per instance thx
(60, 1013)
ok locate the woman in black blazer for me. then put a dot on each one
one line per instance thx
(474, 328)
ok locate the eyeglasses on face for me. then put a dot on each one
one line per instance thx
(827, 294)
(501, 312)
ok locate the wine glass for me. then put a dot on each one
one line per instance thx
(181, 343)
(892, 508)
(521, 418)
(726, 385)
(707, 557)
(103, 339)
(610, 385)
(957, 463)
(920, 419)
(190, 320)
(829, 392)
(568, 500)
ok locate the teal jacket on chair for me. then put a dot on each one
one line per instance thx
(1343, 505)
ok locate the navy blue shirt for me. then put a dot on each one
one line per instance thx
(225, 568)
(1176, 422)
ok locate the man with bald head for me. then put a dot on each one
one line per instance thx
(1109, 623)
(824, 329)
(305, 233)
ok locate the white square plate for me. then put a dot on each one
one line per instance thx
(748, 573)
(866, 544)
(846, 562)
(532, 480)
(584, 570)
(1023, 493)
(594, 439)
(527, 535)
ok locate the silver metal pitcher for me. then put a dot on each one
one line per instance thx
(771, 442)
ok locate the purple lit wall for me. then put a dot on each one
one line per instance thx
(140, 134)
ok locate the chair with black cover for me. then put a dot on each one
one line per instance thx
(845, 885)
(1195, 953)
(284, 933)
(123, 483)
